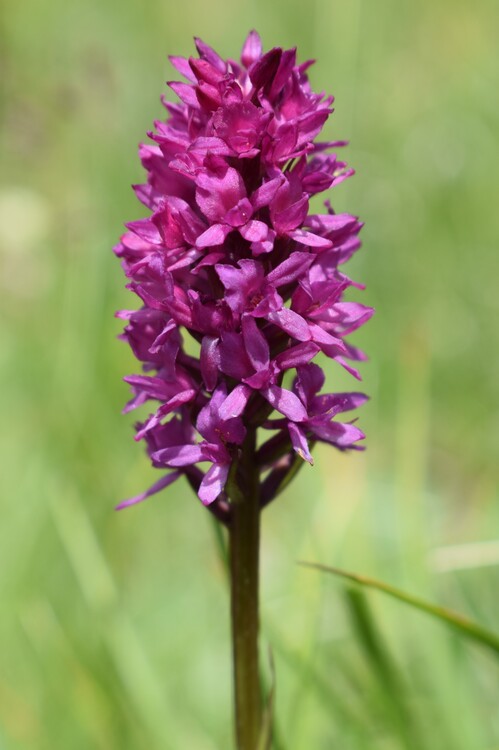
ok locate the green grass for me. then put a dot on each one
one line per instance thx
(114, 627)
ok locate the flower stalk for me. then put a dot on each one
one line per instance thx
(244, 540)
(241, 287)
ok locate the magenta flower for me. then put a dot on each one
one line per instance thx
(232, 255)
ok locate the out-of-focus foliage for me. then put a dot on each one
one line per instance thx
(114, 627)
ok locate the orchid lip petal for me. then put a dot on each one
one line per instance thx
(254, 231)
(213, 483)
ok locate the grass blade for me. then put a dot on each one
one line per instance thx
(267, 732)
(391, 693)
(466, 627)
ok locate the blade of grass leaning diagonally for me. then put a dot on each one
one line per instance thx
(466, 627)
(391, 692)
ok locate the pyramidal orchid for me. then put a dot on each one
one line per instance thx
(241, 288)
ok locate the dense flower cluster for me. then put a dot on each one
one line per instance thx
(240, 283)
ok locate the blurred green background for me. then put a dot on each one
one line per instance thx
(114, 627)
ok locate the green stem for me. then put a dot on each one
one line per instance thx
(244, 557)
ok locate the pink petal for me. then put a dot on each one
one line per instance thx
(218, 191)
(300, 442)
(349, 368)
(205, 71)
(256, 344)
(209, 54)
(290, 322)
(215, 235)
(212, 145)
(285, 402)
(235, 403)
(291, 269)
(252, 49)
(145, 229)
(297, 355)
(262, 71)
(330, 345)
(213, 483)
(210, 361)
(260, 248)
(254, 231)
(266, 192)
(330, 222)
(180, 455)
(182, 65)
(310, 380)
(309, 239)
(156, 487)
(185, 92)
